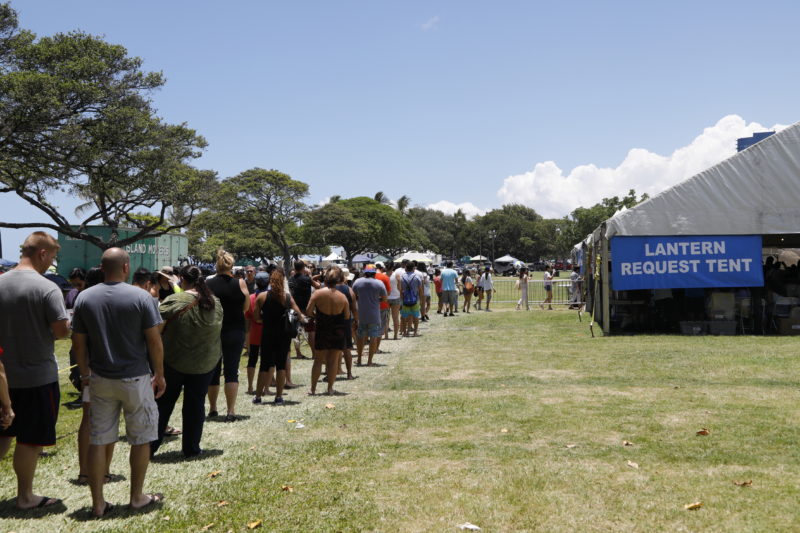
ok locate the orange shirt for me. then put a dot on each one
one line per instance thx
(380, 276)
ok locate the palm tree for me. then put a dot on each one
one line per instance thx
(402, 204)
(381, 198)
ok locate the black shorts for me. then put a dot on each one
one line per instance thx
(35, 415)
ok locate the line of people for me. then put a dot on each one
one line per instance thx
(138, 347)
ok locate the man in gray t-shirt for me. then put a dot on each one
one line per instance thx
(117, 342)
(32, 316)
(369, 293)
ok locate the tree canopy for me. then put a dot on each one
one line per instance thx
(76, 118)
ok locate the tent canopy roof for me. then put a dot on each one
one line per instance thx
(754, 192)
(506, 259)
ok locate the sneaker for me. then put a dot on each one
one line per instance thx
(451, 314)
(257, 400)
(278, 400)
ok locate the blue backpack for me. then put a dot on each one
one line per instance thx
(410, 296)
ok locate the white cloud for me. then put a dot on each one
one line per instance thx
(430, 24)
(468, 208)
(553, 194)
(324, 201)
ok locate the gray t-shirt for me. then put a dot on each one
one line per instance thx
(369, 292)
(114, 317)
(29, 303)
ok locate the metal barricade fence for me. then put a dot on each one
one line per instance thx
(507, 292)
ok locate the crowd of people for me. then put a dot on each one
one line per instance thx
(137, 347)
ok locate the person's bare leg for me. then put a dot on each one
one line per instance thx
(251, 373)
(395, 319)
(339, 363)
(84, 432)
(373, 347)
(264, 378)
(97, 476)
(348, 362)
(280, 382)
(360, 341)
(109, 456)
(230, 396)
(316, 371)
(25, 460)
(5, 445)
(289, 371)
(213, 394)
(297, 351)
(139, 459)
(312, 335)
(416, 326)
(330, 357)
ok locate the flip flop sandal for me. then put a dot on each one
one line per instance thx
(107, 509)
(47, 502)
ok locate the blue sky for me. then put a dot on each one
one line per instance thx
(467, 102)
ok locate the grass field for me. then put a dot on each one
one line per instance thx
(512, 421)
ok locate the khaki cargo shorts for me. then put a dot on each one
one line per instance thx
(133, 397)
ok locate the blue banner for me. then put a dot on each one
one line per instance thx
(686, 262)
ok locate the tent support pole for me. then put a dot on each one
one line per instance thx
(606, 296)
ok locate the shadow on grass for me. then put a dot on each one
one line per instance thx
(8, 509)
(220, 418)
(110, 478)
(285, 402)
(176, 456)
(84, 514)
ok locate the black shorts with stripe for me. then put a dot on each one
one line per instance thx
(35, 415)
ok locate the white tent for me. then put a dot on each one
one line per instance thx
(415, 256)
(506, 259)
(332, 257)
(755, 192)
(478, 258)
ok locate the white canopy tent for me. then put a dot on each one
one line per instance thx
(478, 258)
(506, 259)
(415, 256)
(754, 192)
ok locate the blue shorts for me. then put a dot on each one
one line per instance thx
(369, 330)
(410, 311)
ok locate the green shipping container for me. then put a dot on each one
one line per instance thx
(151, 253)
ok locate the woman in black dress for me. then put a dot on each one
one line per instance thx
(270, 308)
(330, 309)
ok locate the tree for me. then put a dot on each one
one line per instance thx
(585, 220)
(215, 229)
(358, 225)
(75, 118)
(268, 201)
(515, 227)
